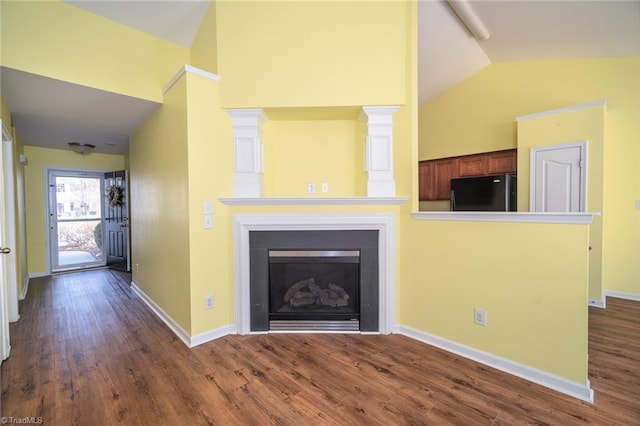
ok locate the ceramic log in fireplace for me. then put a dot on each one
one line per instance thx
(314, 280)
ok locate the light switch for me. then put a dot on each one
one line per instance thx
(207, 207)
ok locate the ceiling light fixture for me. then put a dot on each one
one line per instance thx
(81, 148)
(463, 9)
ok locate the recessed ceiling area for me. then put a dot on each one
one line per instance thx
(51, 113)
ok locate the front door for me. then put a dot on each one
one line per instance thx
(558, 178)
(75, 219)
(116, 220)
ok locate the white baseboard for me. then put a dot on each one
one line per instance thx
(180, 332)
(38, 275)
(560, 384)
(598, 303)
(210, 335)
(25, 289)
(173, 326)
(622, 295)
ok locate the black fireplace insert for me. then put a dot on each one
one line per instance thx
(314, 280)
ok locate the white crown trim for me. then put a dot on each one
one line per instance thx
(601, 102)
(193, 70)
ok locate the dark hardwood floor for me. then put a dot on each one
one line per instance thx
(86, 351)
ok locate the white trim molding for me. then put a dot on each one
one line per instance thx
(384, 223)
(557, 383)
(249, 151)
(378, 150)
(601, 102)
(312, 201)
(622, 295)
(598, 303)
(25, 288)
(210, 335)
(522, 217)
(180, 332)
(189, 69)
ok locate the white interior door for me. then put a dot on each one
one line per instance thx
(558, 178)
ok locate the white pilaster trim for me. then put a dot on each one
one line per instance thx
(581, 391)
(249, 152)
(378, 151)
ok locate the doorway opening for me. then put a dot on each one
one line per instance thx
(75, 219)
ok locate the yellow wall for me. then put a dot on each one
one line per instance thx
(160, 206)
(583, 125)
(57, 40)
(479, 115)
(210, 147)
(300, 152)
(204, 50)
(310, 53)
(534, 294)
(5, 114)
(34, 178)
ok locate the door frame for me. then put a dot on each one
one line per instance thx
(47, 210)
(583, 170)
(9, 202)
(5, 342)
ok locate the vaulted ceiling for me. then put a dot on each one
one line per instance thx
(520, 30)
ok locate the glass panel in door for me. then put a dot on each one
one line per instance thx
(76, 220)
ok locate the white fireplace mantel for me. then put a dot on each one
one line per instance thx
(384, 223)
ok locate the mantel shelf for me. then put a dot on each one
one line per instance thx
(311, 201)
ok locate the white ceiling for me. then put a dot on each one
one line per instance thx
(521, 30)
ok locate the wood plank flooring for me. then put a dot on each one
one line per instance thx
(86, 351)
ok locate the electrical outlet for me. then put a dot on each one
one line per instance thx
(325, 187)
(311, 188)
(137, 268)
(480, 316)
(208, 302)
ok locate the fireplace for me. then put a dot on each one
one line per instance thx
(314, 288)
(314, 280)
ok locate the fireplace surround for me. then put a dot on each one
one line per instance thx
(384, 223)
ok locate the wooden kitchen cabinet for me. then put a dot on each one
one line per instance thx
(435, 175)
(502, 162)
(425, 177)
(472, 165)
(443, 171)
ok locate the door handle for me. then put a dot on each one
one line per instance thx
(5, 250)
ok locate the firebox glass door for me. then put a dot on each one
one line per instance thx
(314, 287)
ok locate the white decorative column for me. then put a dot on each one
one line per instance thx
(247, 138)
(378, 150)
